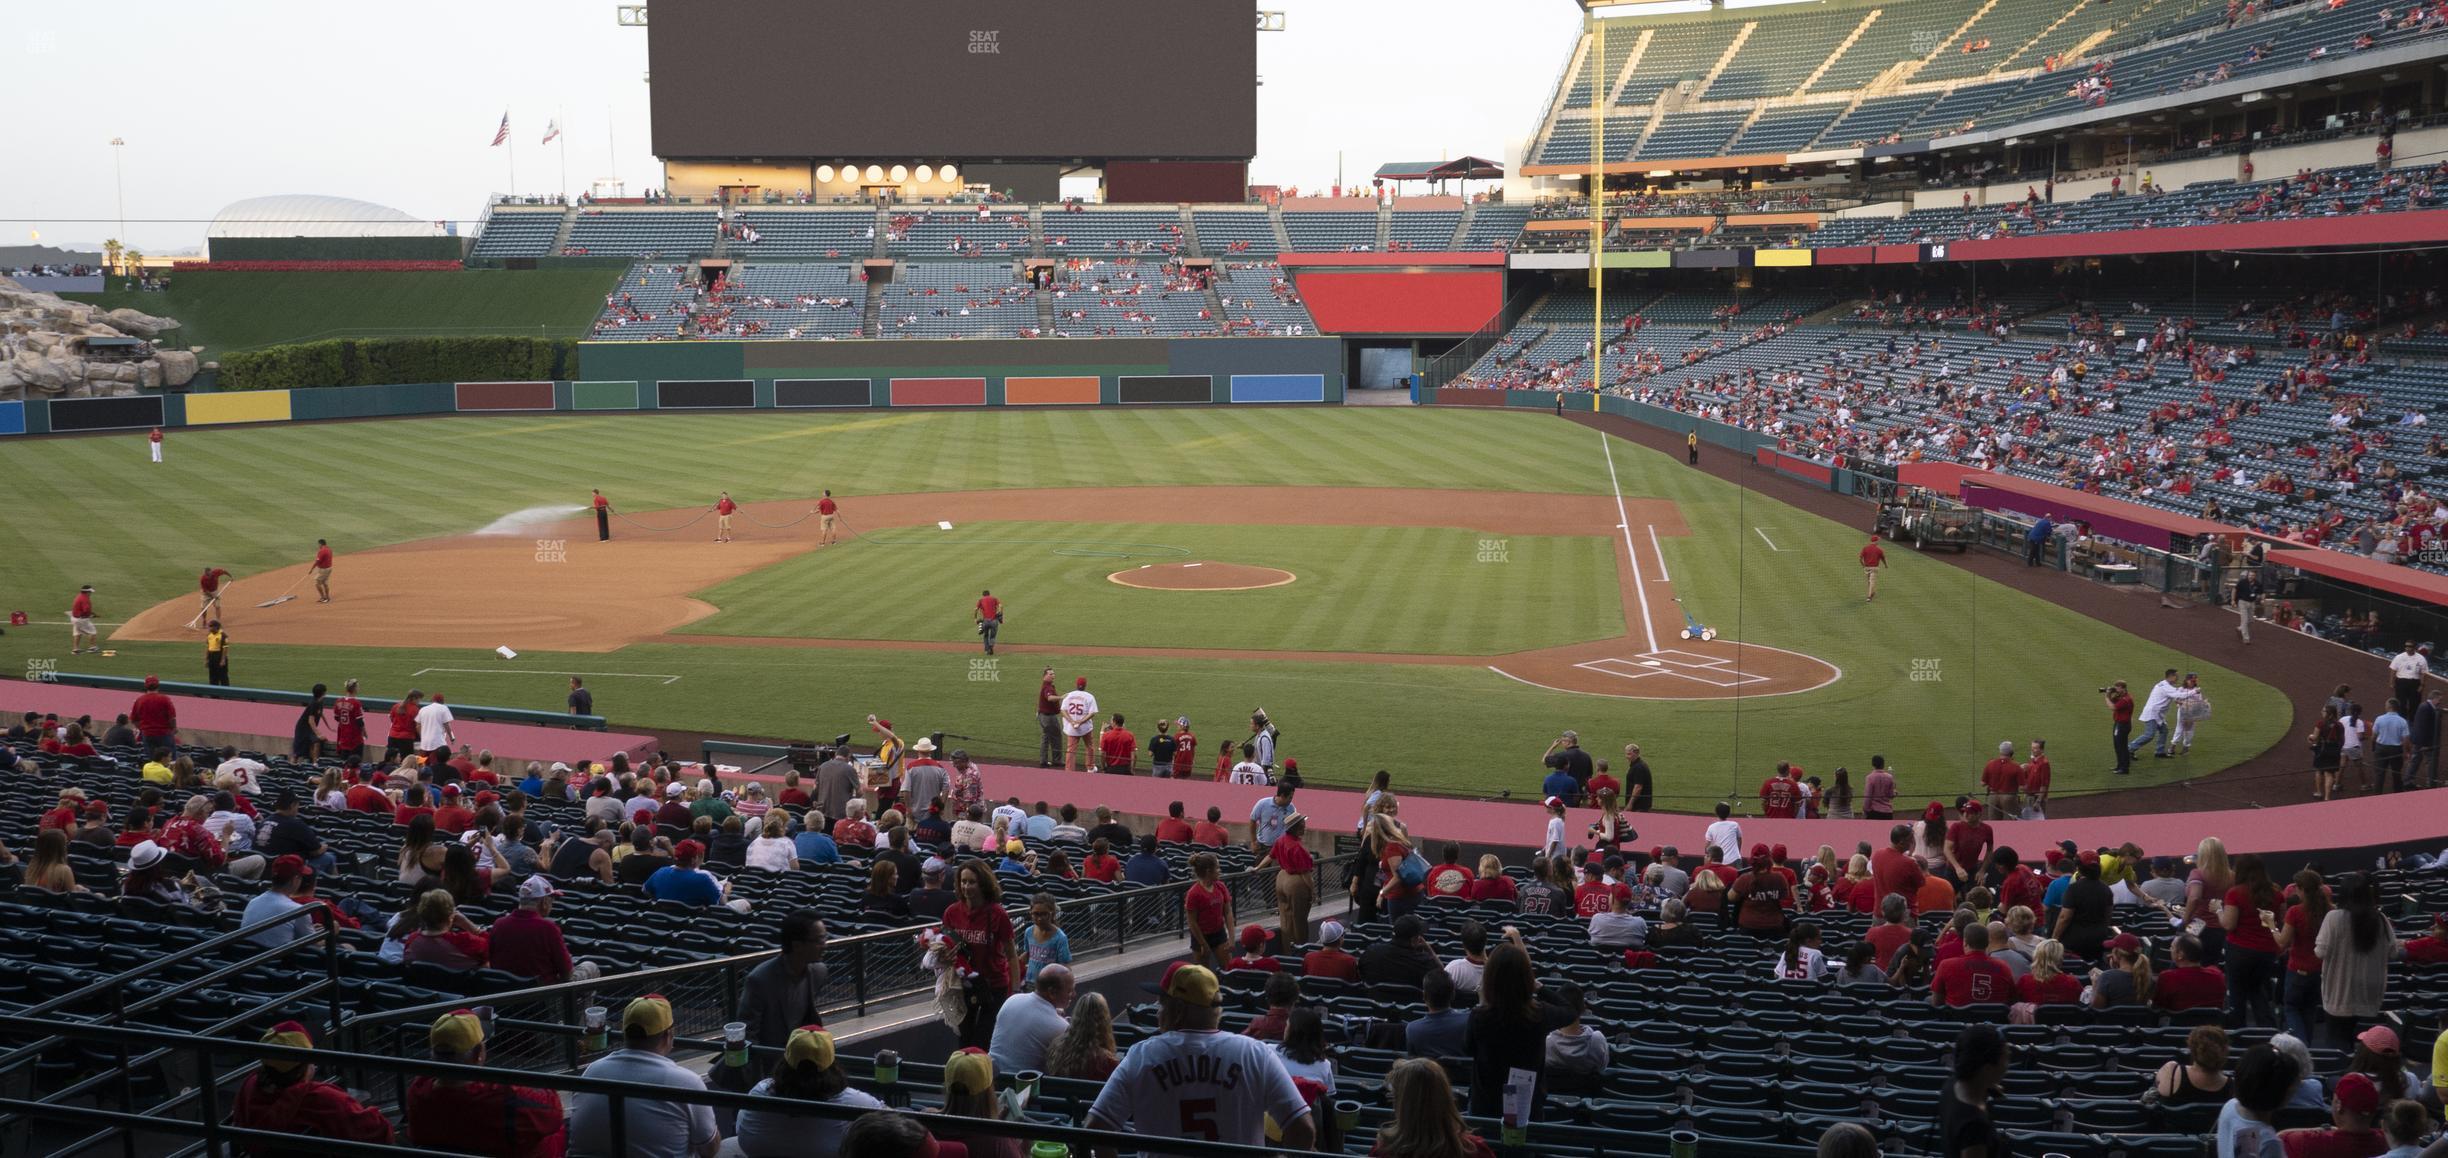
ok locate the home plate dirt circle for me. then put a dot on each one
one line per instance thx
(1202, 576)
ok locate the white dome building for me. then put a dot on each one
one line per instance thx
(314, 215)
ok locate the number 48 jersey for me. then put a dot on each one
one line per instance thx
(1207, 1085)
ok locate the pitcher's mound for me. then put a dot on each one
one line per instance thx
(1201, 577)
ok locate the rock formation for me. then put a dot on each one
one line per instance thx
(42, 349)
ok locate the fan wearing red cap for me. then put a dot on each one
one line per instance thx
(283, 1097)
(154, 716)
(2353, 1111)
(1761, 894)
(1968, 843)
(685, 881)
(1253, 954)
(1191, 1081)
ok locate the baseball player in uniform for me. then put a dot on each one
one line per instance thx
(81, 622)
(1873, 557)
(1079, 712)
(155, 440)
(1195, 1081)
(321, 571)
(722, 517)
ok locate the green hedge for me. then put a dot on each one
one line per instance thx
(380, 361)
(338, 248)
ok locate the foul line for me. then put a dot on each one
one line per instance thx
(1765, 539)
(1661, 554)
(1640, 585)
(668, 680)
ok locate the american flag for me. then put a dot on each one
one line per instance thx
(502, 134)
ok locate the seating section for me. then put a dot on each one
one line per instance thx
(1259, 299)
(1935, 73)
(600, 232)
(1331, 232)
(785, 300)
(825, 233)
(958, 299)
(1685, 135)
(1226, 233)
(512, 232)
(1423, 229)
(1785, 130)
(1494, 225)
(1085, 232)
(2327, 193)
(1130, 297)
(951, 233)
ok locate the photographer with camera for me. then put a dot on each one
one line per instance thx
(2120, 715)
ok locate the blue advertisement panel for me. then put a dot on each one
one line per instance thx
(12, 418)
(1279, 387)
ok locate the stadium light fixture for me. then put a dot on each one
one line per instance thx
(875, 173)
(824, 174)
(900, 173)
(1270, 21)
(949, 173)
(926, 174)
(630, 15)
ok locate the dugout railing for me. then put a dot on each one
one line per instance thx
(543, 1028)
(196, 1120)
(375, 706)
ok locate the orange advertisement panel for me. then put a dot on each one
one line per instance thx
(1051, 391)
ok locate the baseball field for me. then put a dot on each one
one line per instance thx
(1438, 592)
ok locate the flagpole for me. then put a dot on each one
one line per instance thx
(562, 133)
(512, 142)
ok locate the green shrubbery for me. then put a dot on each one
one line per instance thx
(385, 361)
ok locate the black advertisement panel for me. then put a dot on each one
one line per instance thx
(797, 393)
(106, 413)
(722, 394)
(1166, 388)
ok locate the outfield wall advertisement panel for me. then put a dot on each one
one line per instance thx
(715, 394)
(1134, 389)
(505, 396)
(12, 418)
(106, 413)
(815, 393)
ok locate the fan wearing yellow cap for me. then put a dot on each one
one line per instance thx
(807, 1071)
(283, 1097)
(676, 1128)
(1192, 1081)
(478, 1117)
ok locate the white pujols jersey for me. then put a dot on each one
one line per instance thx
(1208, 1085)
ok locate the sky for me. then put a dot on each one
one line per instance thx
(397, 105)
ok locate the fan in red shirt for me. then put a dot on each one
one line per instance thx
(1173, 829)
(403, 735)
(1185, 748)
(1450, 879)
(154, 716)
(1873, 557)
(1253, 954)
(1207, 905)
(453, 817)
(1493, 884)
(2187, 983)
(2002, 778)
(368, 798)
(2429, 949)
(348, 725)
(2058, 988)
(1210, 832)
(1779, 798)
(480, 1117)
(1894, 870)
(1329, 959)
(283, 1097)
(1967, 842)
(1975, 978)
(1101, 864)
(1594, 895)
(2021, 885)
(1119, 746)
(71, 802)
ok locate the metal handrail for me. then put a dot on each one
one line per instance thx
(856, 947)
(216, 1134)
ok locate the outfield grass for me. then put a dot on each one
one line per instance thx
(1375, 589)
(224, 311)
(2005, 665)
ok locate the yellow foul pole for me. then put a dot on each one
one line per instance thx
(1597, 200)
